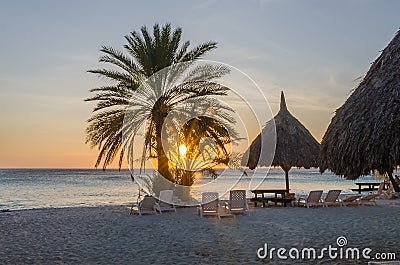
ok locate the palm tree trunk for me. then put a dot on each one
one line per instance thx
(163, 167)
(162, 159)
(185, 178)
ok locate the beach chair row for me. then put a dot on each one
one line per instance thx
(238, 203)
(333, 198)
(210, 204)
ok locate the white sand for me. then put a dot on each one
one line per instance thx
(109, 235)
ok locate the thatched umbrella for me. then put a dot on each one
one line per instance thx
(364, 134)
(295, 146)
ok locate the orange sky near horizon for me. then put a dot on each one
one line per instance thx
(51, 143)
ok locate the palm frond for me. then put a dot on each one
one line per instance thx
(199, 51)
(114, 75)
(118, 58)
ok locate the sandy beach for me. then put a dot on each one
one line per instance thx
(109, 235)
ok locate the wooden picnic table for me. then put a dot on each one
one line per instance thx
(263, 199)
(366, 186)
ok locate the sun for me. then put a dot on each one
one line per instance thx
(182, 150)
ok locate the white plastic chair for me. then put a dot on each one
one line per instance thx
(351, 200)
(209, 204)
(237, 202)
(332, 198)
(146, 206)
(368, 199)
(165, 202)
(313, 199)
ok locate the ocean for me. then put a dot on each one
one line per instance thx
(55, 188)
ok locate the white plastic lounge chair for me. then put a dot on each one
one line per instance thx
(332, 198)
(385, 194)
(351, 200)
(209, 204)
(237, 202)
(313, 199)
(146, 206)
(368, 199)
(165, 202)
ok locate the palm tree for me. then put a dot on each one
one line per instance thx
(130, 75)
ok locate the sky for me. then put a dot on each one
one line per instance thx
(314, 51)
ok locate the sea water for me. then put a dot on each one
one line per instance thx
(54, 188)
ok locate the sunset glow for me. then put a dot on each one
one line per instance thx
(313, 51)
(182, 150)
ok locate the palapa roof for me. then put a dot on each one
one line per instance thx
(295, 146)
(364, 134)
